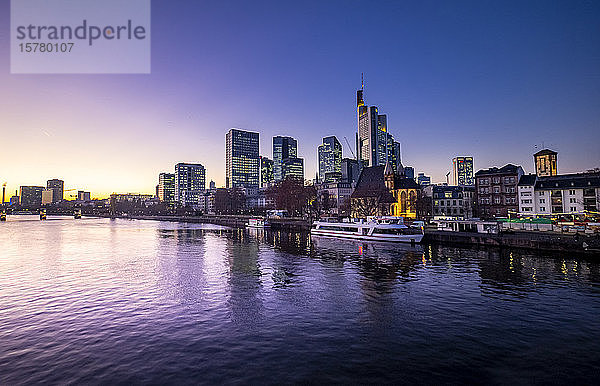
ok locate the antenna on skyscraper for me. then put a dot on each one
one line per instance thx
(362, 81)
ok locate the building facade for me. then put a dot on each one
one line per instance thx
(47, 196)
(283, 148)
(266, 172)
(559, 194)
(350, 171)
(31, 196)
(338, 196)
(546, 163)
(451, 201)
(242, 159)
(496, 190)
(462, 171)
(58, 188)
(374, 145)
(83, 196)
(190, 183)
(166, 187)
(423, 180)
(293, 168)
(330, 159)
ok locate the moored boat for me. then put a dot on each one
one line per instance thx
(385, 228)
(258, 223)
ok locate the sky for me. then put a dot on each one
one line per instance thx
(488, 79)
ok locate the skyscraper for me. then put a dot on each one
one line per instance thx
(242, 159)
(330, 158)
(372, 139)
(58, 188)
(462, 170)
(166, 187)
(283, 148)
(350, 170)
(293, 168)
(190, 183)
(545, 163)
(266, 172)
(31, 196)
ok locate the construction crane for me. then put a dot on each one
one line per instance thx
(350, 147)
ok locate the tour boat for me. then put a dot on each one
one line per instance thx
(384, 228)
(258, 223)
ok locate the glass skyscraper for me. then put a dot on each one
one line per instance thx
(372, 140)
(330, 159)
(190, 183)
(283, 148)
(242, 159)
(293, 168)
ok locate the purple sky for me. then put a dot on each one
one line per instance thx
(483, 78)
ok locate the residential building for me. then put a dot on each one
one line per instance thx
(423, 180)
(266, 172)
(166, 187)
(546, 163)
(462, 171)
(283, 148)
(242, 160)
(31, 196)
(330, 159)
(293, 168)
(58, 188)
(451, 201)
(559, 194)
(190, 183)
(497, 190)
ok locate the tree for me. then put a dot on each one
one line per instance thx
(292, 195)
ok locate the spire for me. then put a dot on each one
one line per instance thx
(362, 81)
(388, 169)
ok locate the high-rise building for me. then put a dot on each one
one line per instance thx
(409, 172)
(330, 159)
(212, 185)
(350, 170)
(190, 183)
(31, 196)
(423, 180)
(166, 187)
(372, 140)
(83, 196)
(58, 188)
(266, 172)
(242, 161)
(47, 196)
(545, 163)
(283, 148)
(293, 168)
(462, 171)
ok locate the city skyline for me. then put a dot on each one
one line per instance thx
(480, 83)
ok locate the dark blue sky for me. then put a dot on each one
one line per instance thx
(484, 78)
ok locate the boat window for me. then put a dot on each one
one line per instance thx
(338, 228)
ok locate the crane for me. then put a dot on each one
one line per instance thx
(350, 147)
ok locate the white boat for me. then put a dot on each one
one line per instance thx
(385, 228)
(257, 223)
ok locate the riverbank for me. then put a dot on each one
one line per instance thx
(541, 241)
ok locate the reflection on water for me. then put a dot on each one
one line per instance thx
(98, 300)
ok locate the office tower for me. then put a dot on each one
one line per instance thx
(330, 159)
(31, 196)
(83, 196)
(372, 139)
(283, 148)
(293, 168)
(212, 185)
(423, 180)
(58, 188)
(242, 159)
(409, 172)
(545, 163)
(462, 170)
(47, 196)
(350, 170)
(166, 187)
(189, 183)
(266, 172)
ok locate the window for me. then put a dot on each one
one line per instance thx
(542, 209)
(496, 180)
(541, 193)
(497, 200)
(542, 200)
(572, 192)
(496, 189)
(573, 209)
(572, 201)
(453, 202)
(448, 194)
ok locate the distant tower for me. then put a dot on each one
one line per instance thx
(545, 163)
